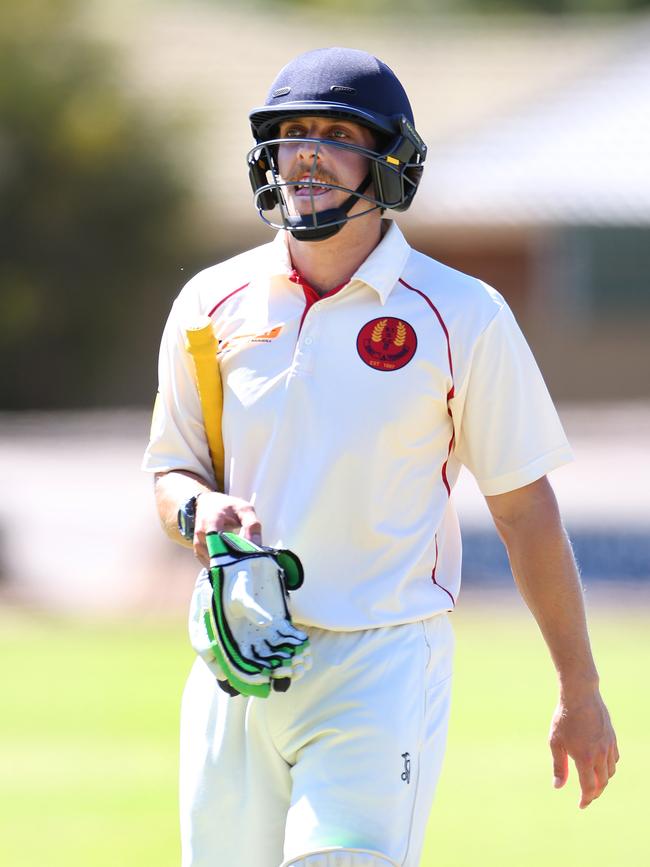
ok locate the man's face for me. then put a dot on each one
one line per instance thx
(333, 165)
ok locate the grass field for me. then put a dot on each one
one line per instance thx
(88, 746)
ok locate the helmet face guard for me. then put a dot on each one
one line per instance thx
(351, 85)
(391, 182)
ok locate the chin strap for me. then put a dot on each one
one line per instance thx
(306, 227)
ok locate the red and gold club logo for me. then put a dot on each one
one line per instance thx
(387, 344)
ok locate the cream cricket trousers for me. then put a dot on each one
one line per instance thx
(349, 756)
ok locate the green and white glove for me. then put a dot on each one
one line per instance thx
(239, 619)
(200, 608)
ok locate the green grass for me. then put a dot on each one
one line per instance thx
(88, 746)
(496, 805)
(88, 742)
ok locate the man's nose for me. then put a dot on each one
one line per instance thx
(308, 150)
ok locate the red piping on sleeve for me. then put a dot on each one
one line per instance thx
(440, 320)
(223, 300)
(433, 576)
(450, 393)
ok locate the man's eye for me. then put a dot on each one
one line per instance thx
(339, 133)
(293, 132)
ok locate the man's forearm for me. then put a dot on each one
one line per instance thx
(546, 574)
(172, 490)
(544, 568)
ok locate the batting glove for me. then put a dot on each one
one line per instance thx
(239, 619)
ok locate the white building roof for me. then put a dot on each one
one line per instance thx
(537, 120)
(580, 155)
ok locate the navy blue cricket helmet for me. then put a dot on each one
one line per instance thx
(352, 85)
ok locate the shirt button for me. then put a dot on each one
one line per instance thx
(308, 341)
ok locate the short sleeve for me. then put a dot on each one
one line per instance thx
(507, 431)
(177, 439)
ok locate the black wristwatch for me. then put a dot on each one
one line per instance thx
(186, 517)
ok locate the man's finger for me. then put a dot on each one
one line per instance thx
(251, 528)
(612, 758)
(201, 549)
(588, 784)
(560, 766)
(602, 775)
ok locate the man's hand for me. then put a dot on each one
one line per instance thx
(222, 513)
(528, 521)
(581, 729)
(215, 512)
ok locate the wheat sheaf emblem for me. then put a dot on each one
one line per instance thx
(378, 331)
(400, 336)
(386, 344)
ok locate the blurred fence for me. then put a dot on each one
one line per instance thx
(78, 528)
(607, 553)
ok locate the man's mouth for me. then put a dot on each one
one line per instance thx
(308, 186)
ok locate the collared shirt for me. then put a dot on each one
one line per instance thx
(346, 419)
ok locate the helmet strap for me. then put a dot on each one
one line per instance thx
(305, 227)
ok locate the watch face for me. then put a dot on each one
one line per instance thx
(186, 519)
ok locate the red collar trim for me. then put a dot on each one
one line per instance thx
(311, 295)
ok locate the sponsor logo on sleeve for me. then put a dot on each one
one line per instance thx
(239, 339)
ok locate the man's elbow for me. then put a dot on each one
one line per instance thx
(532, 508)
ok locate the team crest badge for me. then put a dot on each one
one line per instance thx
(387, 343)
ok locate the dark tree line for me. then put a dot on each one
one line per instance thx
(91, 218)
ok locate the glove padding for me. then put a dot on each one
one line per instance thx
(239, 620)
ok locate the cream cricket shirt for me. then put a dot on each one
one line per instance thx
(346, 419)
